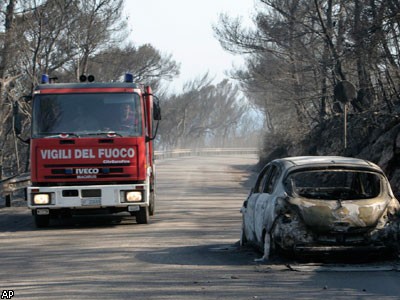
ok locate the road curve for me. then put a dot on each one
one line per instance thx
(188, 251)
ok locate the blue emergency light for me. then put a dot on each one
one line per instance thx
(128, 77)
(45, 78)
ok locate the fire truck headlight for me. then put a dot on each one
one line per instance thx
(41, 199)
(133, 196)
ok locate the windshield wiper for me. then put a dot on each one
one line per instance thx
(62, 135)
(107, 133)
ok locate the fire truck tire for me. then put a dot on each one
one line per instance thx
(42, 221)
(142, 216)
(152, 205)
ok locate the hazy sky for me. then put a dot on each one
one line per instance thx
(183, 28)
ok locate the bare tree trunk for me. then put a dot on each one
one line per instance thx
(5, 52)
(4, 60)
(329, 41)
(361, 54)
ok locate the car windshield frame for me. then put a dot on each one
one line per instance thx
(87, 114)
(334, 184)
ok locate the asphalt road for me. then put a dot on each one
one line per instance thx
(188, 251)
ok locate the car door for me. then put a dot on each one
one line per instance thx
(248, 209)
(265, 205)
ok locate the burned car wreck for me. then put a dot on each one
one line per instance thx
(321, 204)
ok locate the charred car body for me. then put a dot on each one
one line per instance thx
(321, 204)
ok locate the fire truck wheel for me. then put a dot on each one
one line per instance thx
(42, 221)
(142, 216)
(152, 204)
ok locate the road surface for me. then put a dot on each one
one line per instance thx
(189, 251)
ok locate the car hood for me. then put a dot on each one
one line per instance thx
(335, 215)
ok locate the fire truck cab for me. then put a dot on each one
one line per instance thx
(91, 149)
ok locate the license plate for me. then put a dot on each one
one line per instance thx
(42, 211)
(133, 208)
(91, 202)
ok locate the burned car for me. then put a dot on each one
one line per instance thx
(321, 204)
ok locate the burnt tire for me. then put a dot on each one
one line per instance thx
(42, 221)
(142, 216)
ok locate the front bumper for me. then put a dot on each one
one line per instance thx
(88, 197)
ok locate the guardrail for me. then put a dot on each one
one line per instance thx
(203, 152)
(16, 183)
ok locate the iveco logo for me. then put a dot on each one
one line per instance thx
(86, 171)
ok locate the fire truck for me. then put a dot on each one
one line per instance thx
(91, 149)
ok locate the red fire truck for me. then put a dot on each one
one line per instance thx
(91, 149)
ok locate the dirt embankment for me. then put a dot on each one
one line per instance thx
(371, 136)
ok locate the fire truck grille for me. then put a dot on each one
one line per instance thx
(91, 193)
(85, 171)
(69, 171)
(85, 193)
(97, 176)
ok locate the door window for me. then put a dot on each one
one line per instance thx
(271, 180)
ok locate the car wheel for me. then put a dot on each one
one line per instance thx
(142, 216)
(42, 221)
(152, 204)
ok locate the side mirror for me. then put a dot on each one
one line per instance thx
(17, 119)
(156, 111)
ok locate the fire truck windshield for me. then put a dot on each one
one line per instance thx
(86, 114)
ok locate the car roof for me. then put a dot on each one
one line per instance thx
(298, 162)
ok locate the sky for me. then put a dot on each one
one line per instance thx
(183, 28)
